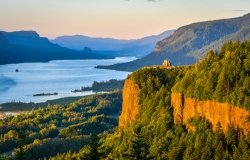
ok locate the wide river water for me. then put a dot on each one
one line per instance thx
(55, 76)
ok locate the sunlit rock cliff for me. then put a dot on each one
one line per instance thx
(130, 103)
(215, 112)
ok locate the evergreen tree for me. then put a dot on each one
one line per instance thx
(94, 151)
(139, 148)
(91, 153)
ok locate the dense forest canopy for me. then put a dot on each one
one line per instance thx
(47, 131)
(223, 76)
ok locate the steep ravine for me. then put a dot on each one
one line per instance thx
(224, 113)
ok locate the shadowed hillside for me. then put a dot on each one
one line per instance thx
(28, 46)
(189, 43)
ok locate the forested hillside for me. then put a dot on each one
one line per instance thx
(153, 134)
(222, 76)
(47, 131)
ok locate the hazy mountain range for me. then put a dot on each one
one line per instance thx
(28, 46)
(191, 42)
(138, 47)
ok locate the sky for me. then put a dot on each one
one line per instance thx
(123, 19)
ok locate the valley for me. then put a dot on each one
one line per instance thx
(172, 84)
(163, 113)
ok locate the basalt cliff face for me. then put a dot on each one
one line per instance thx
(224, 113)
(186, 108)
(130, 105)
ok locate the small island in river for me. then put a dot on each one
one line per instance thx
(45, 94)
(103, 86)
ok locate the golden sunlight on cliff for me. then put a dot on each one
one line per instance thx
(130, 103)
(224, 113)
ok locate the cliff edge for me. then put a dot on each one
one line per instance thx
(215, 112)
(130, 104)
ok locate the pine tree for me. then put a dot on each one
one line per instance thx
(139, 148)
(92, 151)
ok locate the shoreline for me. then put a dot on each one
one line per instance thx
(17, 108)
(28, 106)
(55, 60)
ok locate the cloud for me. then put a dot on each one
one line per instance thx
(239, 10)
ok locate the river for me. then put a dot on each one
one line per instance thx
(61, 76)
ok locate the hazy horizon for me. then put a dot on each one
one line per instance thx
(120, 19)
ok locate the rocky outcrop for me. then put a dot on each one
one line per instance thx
(130, 104)
(186, 108)
(224, 113)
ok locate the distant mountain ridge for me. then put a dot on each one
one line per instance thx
(78, 42)
(138, 47)
(189, 43)
(28, 46)
(32, 40)
(144, 46)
